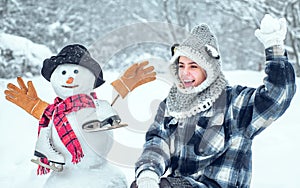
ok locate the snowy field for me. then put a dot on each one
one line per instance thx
(275, 151)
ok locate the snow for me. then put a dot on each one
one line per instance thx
(275, 151)
(24, 47)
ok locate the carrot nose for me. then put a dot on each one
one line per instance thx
(70, 80)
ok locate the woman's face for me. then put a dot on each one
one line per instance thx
(190, 73)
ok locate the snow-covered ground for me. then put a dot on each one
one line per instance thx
(275, 151)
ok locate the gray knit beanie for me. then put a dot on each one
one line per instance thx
(201, 47)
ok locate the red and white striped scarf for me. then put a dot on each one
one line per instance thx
(58, 112)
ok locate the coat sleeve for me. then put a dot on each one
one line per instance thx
(255, 109)
(155, 155)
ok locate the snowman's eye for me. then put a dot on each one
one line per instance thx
(76, 71)
(63, 72)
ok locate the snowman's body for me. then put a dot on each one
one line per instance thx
(93, 170)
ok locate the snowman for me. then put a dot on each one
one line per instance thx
(68, 129)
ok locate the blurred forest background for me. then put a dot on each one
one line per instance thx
(106, 23)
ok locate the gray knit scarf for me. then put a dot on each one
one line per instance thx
(182, 105)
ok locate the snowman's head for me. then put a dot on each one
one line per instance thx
(74, 55)
(70, 79)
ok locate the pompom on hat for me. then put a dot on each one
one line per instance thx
(201, 47)
(73, 54)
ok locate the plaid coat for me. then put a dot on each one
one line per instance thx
(213, 148)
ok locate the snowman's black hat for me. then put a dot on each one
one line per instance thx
(73, 54)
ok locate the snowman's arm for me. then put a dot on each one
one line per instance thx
(26, 98)
(136, 75)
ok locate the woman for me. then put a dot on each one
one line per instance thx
(203, 130)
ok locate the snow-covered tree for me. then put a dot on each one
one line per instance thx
(250, 12)
(56, 23)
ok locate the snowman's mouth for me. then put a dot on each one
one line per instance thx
(70, 86)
